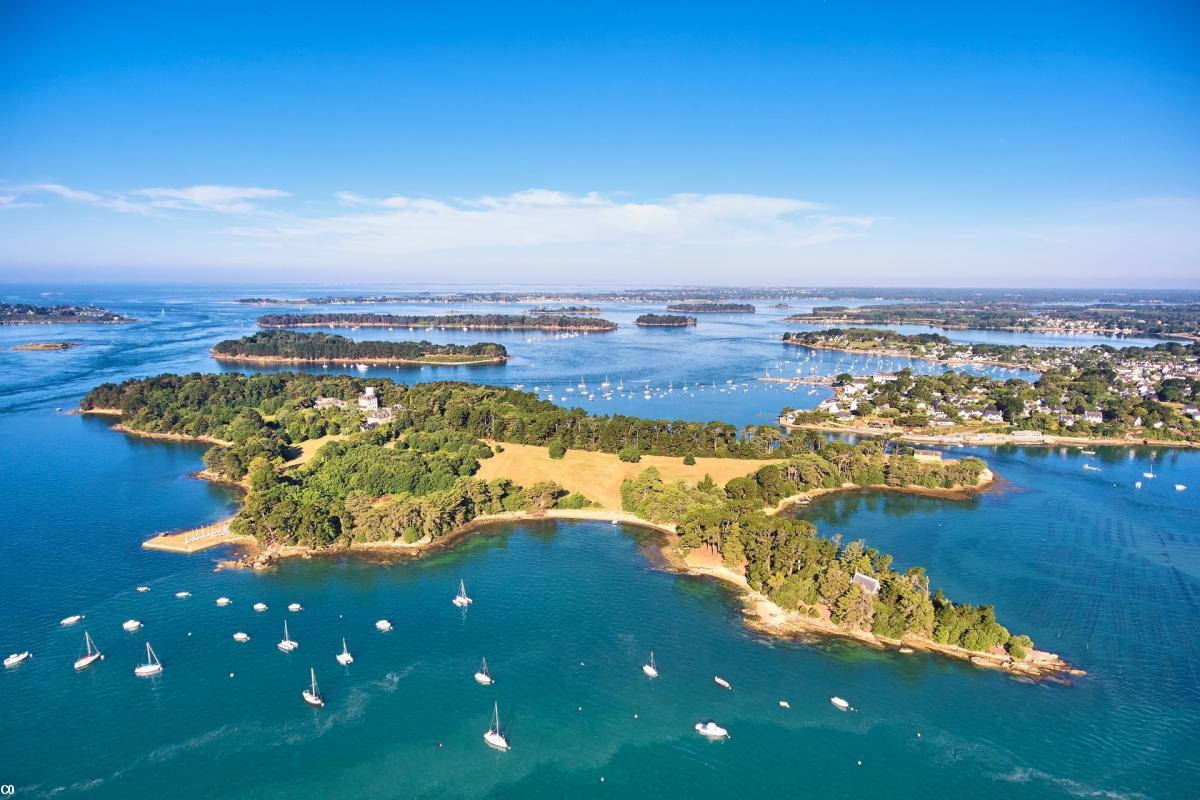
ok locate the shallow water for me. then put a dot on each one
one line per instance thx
(1104, 574)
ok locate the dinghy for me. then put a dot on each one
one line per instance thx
(650, 669)
(71, 620)
(483, 677)
(840, 703)
(344, 658)
(383, 626)
(131, 625)
(495, 735)
(784, 704)
(151, 667)
(92, 655)
(241, 636)
(717, 679)
(143, 588)
(312, 695)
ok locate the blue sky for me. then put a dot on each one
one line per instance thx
(805, 143)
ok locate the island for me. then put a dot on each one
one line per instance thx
(45, 346)
(336, 464)
(565, 310)
(711, 307)
(488, 322)
(284, 347)
(23, 314)
(1179, 320)
(664, 321)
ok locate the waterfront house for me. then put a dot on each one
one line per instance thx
(866, 583)
(992, 415)
(1094, 417)
(1028, 436)
(368, 400)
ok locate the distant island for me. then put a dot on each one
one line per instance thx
(1181, 320)
(489, 322)
(565, 310)
(707, 307)
(282, 346)
(331, 463)
(23, 314)
(40, 346)
(664, 321)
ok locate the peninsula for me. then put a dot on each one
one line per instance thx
(711, 307)
(434, 461)
(489, 322)
(294, 347)
(565, 310)
(23, 314)
(664, 321)
(45, 346)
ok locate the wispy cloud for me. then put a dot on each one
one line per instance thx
(221, 199)
(534, 217)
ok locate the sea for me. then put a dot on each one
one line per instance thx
(566, 612)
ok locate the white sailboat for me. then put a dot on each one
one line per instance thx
(92, 655)
(494, 735)
(650, 669)
(312, 695)
(131, 625)
(344, 658)
(483, 677)
(287, 645)
(151, 667)
(461, 599)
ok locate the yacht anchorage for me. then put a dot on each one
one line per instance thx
(287, 645)
(151, 667)
(483, 677)
(92, 655)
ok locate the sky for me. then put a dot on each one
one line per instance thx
(803, 143)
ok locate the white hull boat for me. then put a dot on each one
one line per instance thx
(143, 589)
(183, 595)
(295, 607)
(650, 669)
(312, 695)
(260, 607)
(483, 677)
(344, 658)
(461, 599)
(839, 704)
(223, 601)
(151, 667)
(711, 730)
(71, 620)
(383, 626)
(287, 645)
(92, 656)
(131, 625)
(719, 681)
(17, 658)
(1179, 487)
(241, 636)
(495, 735)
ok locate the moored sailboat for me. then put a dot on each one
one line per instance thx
(92, 655)
(152, 665)
(312, 695)
(483, 677)
(287, 645)
(344, 658)
(461, 599)
(650, 668)
(495, 735)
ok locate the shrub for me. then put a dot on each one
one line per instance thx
(689, 460)
(411, 535)
(630, 455)
(557, 449)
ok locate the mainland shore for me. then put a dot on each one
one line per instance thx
(984, 438)
(433, 360)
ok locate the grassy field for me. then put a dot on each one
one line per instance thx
(309, 448)
(598, 476)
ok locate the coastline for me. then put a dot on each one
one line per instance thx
(352, 361)
(550, 328)
(985, 439)
(891, 352)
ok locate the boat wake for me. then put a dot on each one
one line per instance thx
(1072, 787)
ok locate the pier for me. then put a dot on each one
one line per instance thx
(194, 539)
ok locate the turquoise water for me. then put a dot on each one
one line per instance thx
(565, 613)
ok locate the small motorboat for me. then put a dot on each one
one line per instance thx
(719, 681)
(151, 667)
(1148, 475)
(650, 669)
(383, 626)
(17, 658)
(784, 704)
(1179, 487)
(293, 607)
(182, 595)
(1137, 484)
(1090, 468)
(287, 645)
(92, 654)
(839, 703)
(462, 600)
(312, 695)
(260, 607)
(494, 735)
(711, 730)
(613, 522)
(143, 589)
(344, 658)
(131, 625)
(483, 677)
(241, 636)
(223, 601)
(71, 620)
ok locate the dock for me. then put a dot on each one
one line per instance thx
(193, 540)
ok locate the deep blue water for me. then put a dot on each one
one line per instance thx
(1104, 574)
